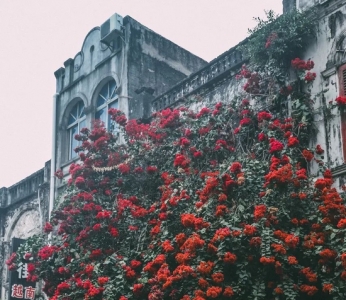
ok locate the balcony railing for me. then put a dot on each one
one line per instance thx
(217, 68)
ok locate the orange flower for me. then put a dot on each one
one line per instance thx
(249, 230)
(255, 241)
(260, 211)
(312, 277)
(267, 260)
(214, 291)
(229, 258)
(292, 260)
(212, 248)
(222, 197)
(228, 292)
(218, 277)
(308, 155)
(205, 267)
(180, 238)
(278, 291)
(203, 283)
(167, 246)
(309, 289)
(183, 258)
(221, 210)
(327, 287)
(279, 248)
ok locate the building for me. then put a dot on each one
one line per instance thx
(123, 64)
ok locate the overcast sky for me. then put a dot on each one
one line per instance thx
(37, 36)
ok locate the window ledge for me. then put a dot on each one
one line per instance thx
(73, 160)
(339, 170)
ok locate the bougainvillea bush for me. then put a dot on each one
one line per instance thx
(210, 203)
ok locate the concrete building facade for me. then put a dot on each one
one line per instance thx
(139, 71)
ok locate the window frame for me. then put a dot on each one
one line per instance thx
(342, 92)
(108, 104)
(81, 119)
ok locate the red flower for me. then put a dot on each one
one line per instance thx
(229, 258)
(79, 182)
(97, 227)
(114, 232)
(137, 288)
(263, 115)
(267, 260)
(245, 122)
(319, 150)
(249, 230)
(59, 174)
(181, 161)
(102, 280)
(275, 146)
(203, 111)
(228, 292)
(260, 211)
(300, 64)
(327, 287)
(310, 77)
(151, 169)
(262, 137)
(124, 168)
(46, 252)
(292, 260)
(48, 227)
(214, 291)
(235, 167)
(167, 246)
(308, 289)
(217, 277)
(205, 268)
(308, 155)
(341, 100)
(292, 142)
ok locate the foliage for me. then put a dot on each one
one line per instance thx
(276, 41)
(214, 204)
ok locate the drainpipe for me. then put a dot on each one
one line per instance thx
(52, 162)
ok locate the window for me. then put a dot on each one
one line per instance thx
(342, 88)
(76, 121)
(106, 99)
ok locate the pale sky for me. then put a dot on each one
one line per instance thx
(39, 35)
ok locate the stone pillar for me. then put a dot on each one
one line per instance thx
(3, 197)
(60, 78)
(144, 98)
(68, 71)
(289, 5)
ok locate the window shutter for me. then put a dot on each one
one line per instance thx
(342, 80)
(342, 92)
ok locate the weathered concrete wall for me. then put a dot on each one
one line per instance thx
(23, 212)
(327, 53)
(155, 64)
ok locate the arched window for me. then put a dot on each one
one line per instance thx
(76, 121)
(106, 99)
